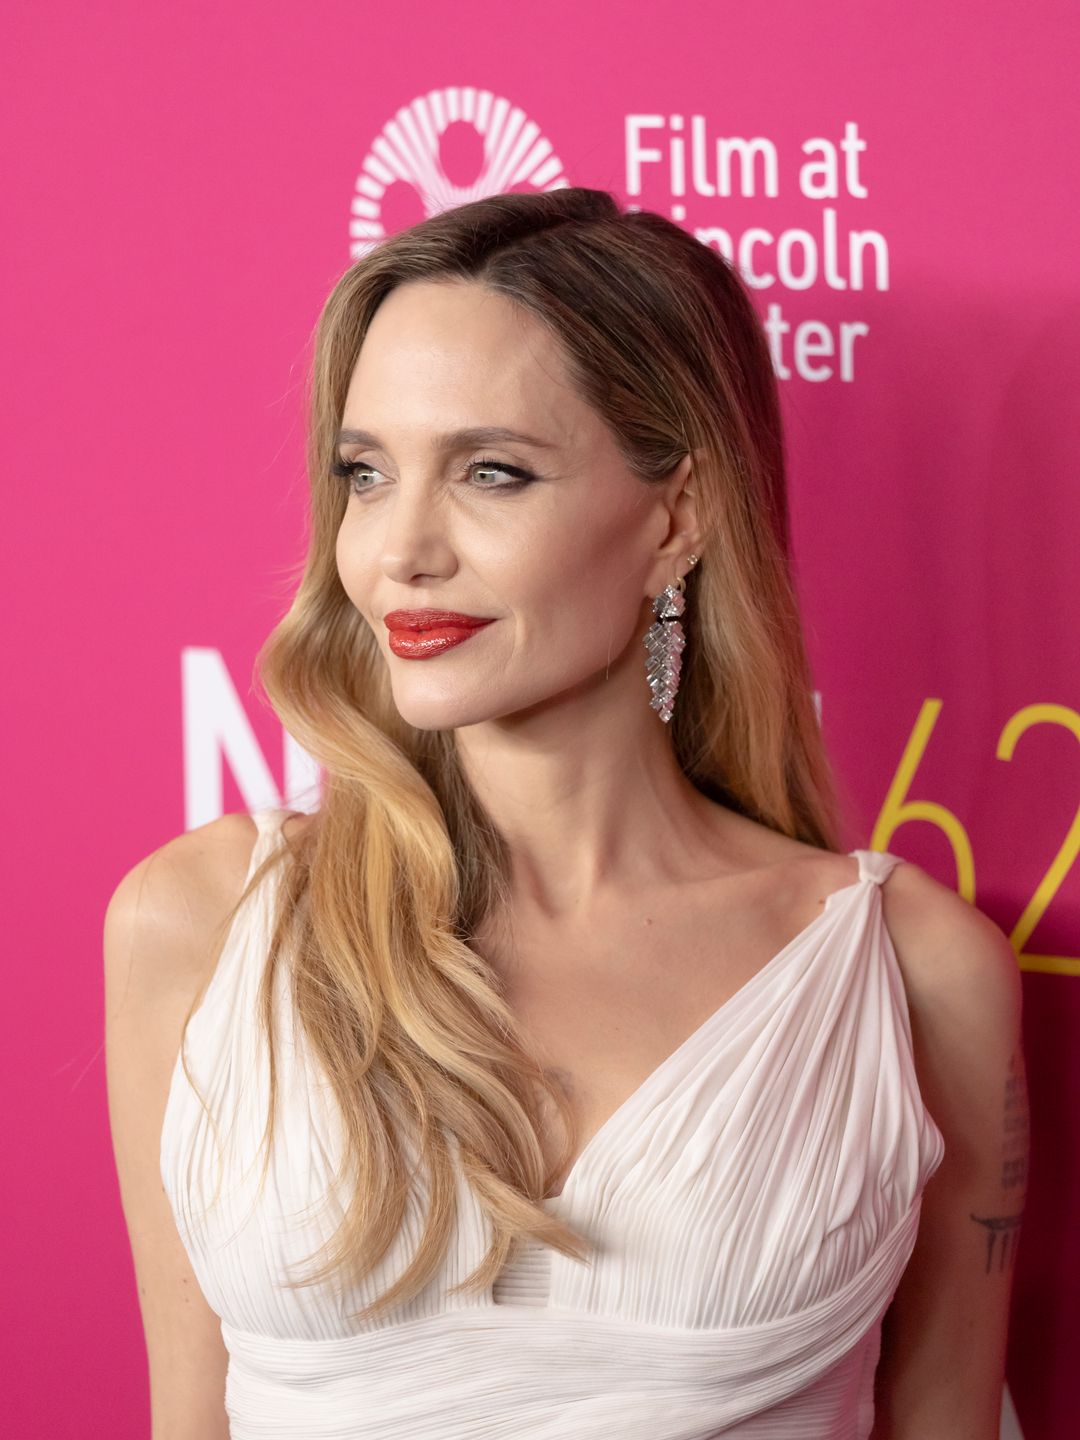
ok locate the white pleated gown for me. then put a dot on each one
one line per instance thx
(754, 1204)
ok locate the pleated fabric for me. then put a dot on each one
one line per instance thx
(753, 1204)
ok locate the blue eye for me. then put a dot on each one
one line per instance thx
(352, 471)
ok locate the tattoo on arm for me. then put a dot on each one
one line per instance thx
(1003, 1231)
(1002, 1234)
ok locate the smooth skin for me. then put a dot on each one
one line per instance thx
(624, 877)
(159, 927)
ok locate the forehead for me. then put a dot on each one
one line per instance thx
(442, 354)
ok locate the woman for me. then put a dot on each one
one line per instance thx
(589, 1106)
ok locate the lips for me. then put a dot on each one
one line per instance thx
(397, 620)
(426, 643)
(422, 634)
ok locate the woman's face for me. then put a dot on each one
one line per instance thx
(562, 550)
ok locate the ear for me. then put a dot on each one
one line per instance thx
(683, 535)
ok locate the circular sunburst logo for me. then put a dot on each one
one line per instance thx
(444, 149)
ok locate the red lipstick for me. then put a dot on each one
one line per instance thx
(428, 619)
(421, 634)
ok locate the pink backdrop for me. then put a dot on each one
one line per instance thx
(184, 183)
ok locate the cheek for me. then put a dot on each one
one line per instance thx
(582, 604)
(351, 567)
(577, 577)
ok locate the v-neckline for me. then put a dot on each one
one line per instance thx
(654, 1076)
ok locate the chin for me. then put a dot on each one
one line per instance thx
(442, 713)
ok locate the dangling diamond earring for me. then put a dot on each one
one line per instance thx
(664, 641)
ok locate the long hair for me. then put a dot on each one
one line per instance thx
(386, 885)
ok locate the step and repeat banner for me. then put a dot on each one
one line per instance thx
(185, 183)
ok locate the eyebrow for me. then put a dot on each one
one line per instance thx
(455, 439)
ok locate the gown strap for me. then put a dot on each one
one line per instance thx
(876, 865)
(269, 822)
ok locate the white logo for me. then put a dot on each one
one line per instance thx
(516, 154)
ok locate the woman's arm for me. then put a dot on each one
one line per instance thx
(158, 930)
(942, 1368)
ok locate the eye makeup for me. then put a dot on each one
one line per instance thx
(351, 470)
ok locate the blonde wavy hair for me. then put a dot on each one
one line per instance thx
(385, 886)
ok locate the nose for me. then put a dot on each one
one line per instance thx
(415, 540)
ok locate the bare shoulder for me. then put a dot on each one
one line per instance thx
(965, 998)
(162, 917)
(958, 966)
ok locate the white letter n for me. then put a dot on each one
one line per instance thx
(216, 730)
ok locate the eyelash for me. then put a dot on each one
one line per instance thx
(348, 470)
